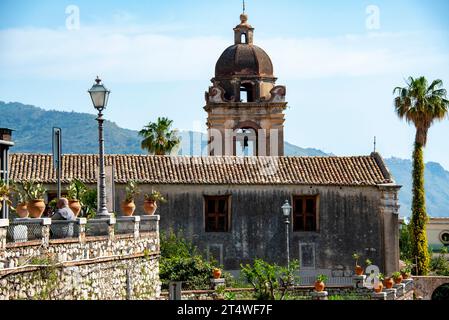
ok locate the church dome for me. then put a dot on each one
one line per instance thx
(244, 60)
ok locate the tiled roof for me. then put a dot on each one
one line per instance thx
(345, 171)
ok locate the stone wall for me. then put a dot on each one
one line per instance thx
(426, 285)
(111, 266)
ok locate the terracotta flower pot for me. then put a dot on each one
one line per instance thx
(75, 206)
(405, 276)
(389, 283)
(149, 207)
(216, 273)
(128, 208)
(379, 287)
(319, 286)
(36, 208)
(398, 280)
(358, 270)
(22, 210)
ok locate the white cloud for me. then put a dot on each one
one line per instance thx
(136, 54)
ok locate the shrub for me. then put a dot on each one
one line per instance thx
(270, 281)
(440, 265)
(181, 261)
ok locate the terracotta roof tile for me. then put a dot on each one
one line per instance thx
(363, 170)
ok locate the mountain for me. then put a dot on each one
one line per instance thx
(33, 133)
(436, 185)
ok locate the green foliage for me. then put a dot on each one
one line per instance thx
(405, 243)
(321, 278)
(47, 275)
(155, 196)
(19, 193)
(439, 265)
(158, 139)
(90, 203)
(131, 190)
(368, 262)
(421, 104)
(230, 296)
(34, 190)
(419, 219)
(270, 281)
(380, 276)
(5, 192)
(356, 257)
(396, 275)
(181, 261)
(348, 296)
(76, 191)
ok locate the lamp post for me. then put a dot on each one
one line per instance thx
(286, 209)
(99, 95)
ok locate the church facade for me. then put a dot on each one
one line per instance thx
(229, 203)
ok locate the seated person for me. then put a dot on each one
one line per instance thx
(63, 212)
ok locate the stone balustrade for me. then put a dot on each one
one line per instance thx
(112, 258)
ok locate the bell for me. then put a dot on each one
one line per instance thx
(245, 142)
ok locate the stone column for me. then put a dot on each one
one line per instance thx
(389, 209)
(215, 283)
(111, 225)
(391, 293)
(136, 227)
(400, 289)
(82, 229)
(4, 223)
(319, 295)
(45, 223)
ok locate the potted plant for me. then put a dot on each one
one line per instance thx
(319, 282)
(406, 272)
(378, 288)
(397, 277)
(5, 193)
(22, 199)
(358, 268)
(128, 206)
(388, 282)
(216, 272)
(35, 193)
(75, 193)
(150, 203)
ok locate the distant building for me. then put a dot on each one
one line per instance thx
(438, 233)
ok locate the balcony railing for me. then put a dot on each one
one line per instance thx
(45, 229)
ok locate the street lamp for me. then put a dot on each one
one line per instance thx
(99, 95)
(286, 209)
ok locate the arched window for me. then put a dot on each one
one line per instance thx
(247, 92)
(245, 142)
(243, 38)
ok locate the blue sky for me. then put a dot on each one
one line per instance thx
(158, 57)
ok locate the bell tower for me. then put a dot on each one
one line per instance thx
(245, 107)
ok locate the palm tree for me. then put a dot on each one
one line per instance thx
(158, 138)
(422, 105)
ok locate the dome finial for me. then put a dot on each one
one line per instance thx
(244, 16)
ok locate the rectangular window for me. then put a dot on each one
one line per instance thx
(217, 213)
(305, 213)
